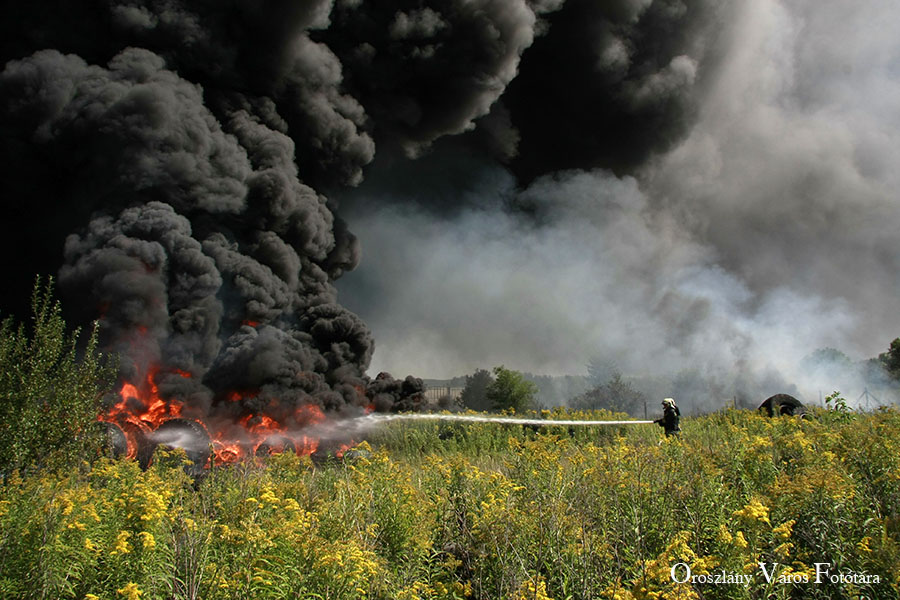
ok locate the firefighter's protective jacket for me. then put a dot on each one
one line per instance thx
(669, 420)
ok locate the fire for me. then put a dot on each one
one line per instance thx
(261, 434)
(309, 414)
(252, 432)
(343, 448)
(226, 452)
(142, 406)
(128, 391)
(276, 428)
(261, 424)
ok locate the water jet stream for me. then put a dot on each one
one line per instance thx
(379, 418)
(343, 429)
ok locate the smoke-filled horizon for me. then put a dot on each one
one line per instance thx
(666, 184)
(763, 230)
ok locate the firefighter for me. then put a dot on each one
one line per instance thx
(669, 420)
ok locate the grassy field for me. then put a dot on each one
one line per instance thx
(444, 510)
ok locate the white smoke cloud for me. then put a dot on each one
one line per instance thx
(602, 272)
(770, 231)
(785, 174)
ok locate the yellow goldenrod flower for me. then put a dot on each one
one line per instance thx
(147, 540)
(754, 511)
(783, 531)
(784, 550)
(724, 536)
(68, 506)
(130, 591)
(121, 546)
(532, 589)
(268, 496)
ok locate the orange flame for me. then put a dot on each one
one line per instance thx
(344, 447)
(308, 414)
(141, 404)
(226, 452)
(140, 410)
(261, 425)
(307, 445)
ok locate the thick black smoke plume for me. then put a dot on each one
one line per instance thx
(612, 83)
(165, 143)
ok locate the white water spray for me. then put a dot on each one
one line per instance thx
(380, 418)
(357, 426)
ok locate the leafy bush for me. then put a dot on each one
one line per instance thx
(890, 360)
(49, 393)
(474, 394)
(510, 390)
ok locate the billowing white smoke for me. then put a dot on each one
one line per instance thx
(601, 273)
(769, 232)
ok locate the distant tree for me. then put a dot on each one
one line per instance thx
(474, 394)
(510, 390)
(600, 370)
(891, 359)
(616, 395)
(825, 358)
(49, 395)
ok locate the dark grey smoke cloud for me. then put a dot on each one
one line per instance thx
(167, 299)
(183, 150)
(243, 54)
(613, 83)
(168, 154)
(423, 72)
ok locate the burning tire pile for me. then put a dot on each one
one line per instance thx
(142, 420)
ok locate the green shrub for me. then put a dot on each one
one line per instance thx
(510, 390)
(49, 394)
